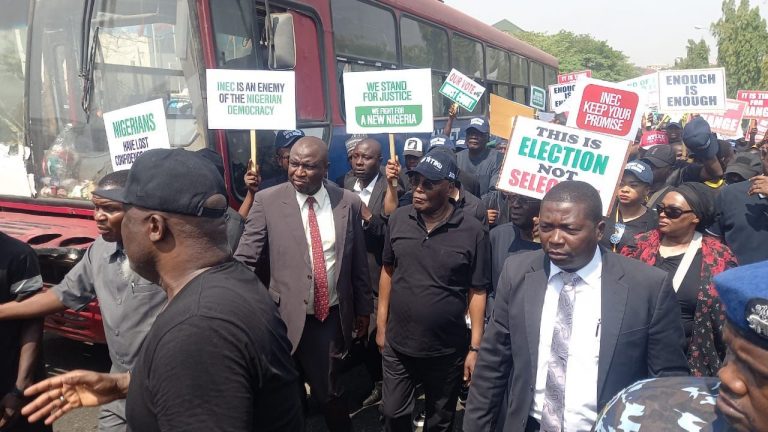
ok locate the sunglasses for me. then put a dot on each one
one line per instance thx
(425, 184)
(671, 212)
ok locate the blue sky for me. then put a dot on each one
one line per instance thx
(649, 31)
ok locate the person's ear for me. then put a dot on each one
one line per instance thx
(158, 228)
(600, 230)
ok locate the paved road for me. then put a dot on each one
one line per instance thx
(63, 355)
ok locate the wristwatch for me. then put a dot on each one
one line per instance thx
(17, 392)
(474, 349)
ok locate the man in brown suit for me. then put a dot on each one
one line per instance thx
(308, 235)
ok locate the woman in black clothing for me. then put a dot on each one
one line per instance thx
(691, 258)
(630, 216)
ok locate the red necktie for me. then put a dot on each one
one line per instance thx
(318, 264)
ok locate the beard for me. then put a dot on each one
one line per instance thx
(128, 274)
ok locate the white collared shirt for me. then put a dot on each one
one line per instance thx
(365, 193)
(324, 214)
(584, 348)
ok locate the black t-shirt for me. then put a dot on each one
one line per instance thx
(19, 278)
(216, 359)
(432, 275)
(742, 222)
(626, 236)
(688, 292)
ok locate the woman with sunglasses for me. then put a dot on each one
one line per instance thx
(691, 259)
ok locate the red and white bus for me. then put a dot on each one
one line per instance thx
(63, 63)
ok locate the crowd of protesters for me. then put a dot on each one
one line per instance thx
(537, 315)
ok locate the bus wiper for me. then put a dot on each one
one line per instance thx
(87, 52)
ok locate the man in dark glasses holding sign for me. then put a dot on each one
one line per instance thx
(435, 264)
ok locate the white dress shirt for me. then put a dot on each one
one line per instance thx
(584, 348)
(365, 192)
(324, 214)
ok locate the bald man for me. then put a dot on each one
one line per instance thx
(308, 235)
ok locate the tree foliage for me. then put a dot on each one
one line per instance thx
(577, 52)
(742, 44)
(697, 56)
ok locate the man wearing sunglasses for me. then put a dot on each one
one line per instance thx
(435, 268)
(742, 216)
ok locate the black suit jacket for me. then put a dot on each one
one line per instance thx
(641, 337)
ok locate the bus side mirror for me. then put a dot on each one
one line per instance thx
(282, 53)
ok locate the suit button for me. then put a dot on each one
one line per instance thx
(306, 301)
(309, 277)
(531, 388)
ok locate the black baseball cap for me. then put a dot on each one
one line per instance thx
(173, 181)
(660, 156)
(747, 165)
(437, 165)
(287, 138)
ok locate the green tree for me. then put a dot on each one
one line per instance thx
(742, 44)
(697, 56)
(577, 52)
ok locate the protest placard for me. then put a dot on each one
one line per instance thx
(565, 78)
(251, 99)
(133, 130)
(692, 90)
(648, 86)
(727, 124)
(503, 112)
(540, 155)
(559, 93)
(604, 107)
(757, 103)
(393, 101)
(538, 98)
(462, 90)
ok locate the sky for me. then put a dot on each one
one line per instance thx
(649, 32)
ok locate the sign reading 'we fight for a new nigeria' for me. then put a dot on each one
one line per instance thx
(396, 101)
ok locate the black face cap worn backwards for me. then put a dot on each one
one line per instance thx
(173, 181)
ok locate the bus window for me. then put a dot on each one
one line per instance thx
(13, 49)
(497, 62)
(520, 94)
(424, 45)
(519, 70)
(499, 74)
(467, 56)
(364, 31)
(550, 76)
(143, 50)
(537, 75)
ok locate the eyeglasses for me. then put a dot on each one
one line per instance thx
(671, 212)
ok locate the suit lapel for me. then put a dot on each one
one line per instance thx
(340, 208)
(534, 289)
(292, 220)
(377, 195)
(613, 301)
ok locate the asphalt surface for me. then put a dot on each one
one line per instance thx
(62, 355)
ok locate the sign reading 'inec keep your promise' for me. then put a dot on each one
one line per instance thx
(462, 90)
(541, 155)
(395, 101)
(133, 130)
(692, 90)
(251, 100)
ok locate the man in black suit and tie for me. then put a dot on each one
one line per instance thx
(572, 326)
(308, 233)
